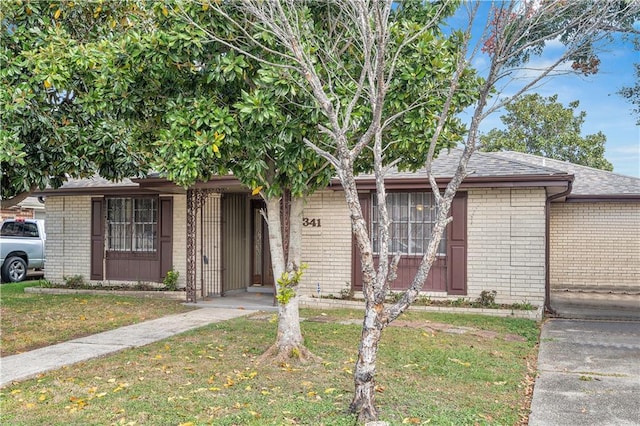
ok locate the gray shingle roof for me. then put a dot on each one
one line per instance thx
(484, 164)
(588, 181)
(481, 164)
(97, 182)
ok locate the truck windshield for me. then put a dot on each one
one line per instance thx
(19, 229)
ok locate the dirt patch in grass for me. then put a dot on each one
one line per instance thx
(434, 327)
(429, 326)
(30, 321)
(209, 376)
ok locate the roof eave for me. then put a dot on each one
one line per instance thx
(513, 181)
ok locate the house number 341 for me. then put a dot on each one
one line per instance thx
(308, 221)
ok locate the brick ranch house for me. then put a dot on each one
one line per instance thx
(29, 208)
(522, 225)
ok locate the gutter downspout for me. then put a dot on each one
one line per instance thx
(547, 243)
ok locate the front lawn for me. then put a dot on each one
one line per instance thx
(432, 369)
(29, 321)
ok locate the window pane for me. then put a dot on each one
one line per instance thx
(118, 226)
(132, 224)
(412, 217)
(417, 240)
(145, 224)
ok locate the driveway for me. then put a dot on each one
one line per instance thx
(588, 374)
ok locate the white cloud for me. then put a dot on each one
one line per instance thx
(632, 149)
(537, 66)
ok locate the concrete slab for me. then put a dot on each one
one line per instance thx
(244, 300)
(596, 305)
(588, 374)
(22, 366)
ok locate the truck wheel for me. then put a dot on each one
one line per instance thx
(14, 270)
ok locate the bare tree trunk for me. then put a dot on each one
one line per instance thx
(363, 402)
(289, 343)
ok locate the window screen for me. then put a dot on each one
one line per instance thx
(132, 224)
(412, 215)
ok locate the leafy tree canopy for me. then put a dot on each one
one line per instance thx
(120, 88)
(543, 126)
(52, 127)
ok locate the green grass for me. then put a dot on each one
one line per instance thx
(30, 320)
(209, 377)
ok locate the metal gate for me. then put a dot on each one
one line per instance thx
(210, 237)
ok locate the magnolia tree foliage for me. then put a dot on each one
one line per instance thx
(53, 126)
(543, 126)
(121, 88)
(379, 109)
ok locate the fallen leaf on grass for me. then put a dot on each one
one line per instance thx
(463, 363)
(410, 421)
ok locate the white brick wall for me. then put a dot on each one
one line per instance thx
(506, 230)
(326, 248)
(180, 238)
(68, 244)
(505, 248)
(505, 243)
(595, 245)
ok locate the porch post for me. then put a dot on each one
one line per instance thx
(191, 244)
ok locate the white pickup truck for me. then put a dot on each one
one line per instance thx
(21, 248)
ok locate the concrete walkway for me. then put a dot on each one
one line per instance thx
(29, 364)
(588, 374)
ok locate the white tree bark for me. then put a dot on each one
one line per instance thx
(289, 343)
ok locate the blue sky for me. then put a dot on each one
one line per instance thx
(606, 111)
